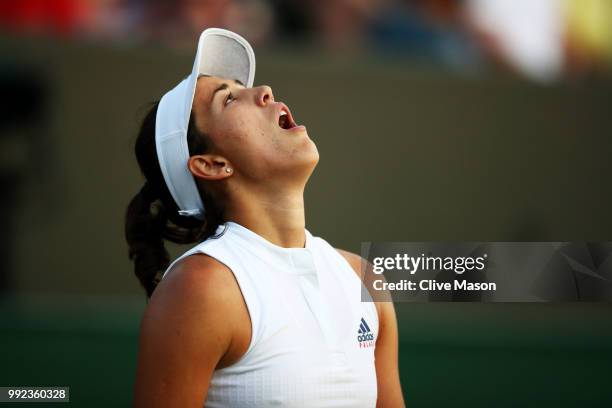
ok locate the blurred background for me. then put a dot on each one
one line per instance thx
(482, 120)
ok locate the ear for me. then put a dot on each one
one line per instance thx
(209, 167)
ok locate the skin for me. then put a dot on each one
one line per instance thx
(196, 322)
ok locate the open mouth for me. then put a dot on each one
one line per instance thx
(285, 120)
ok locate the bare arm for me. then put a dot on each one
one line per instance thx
(386, 353)
(186, 332)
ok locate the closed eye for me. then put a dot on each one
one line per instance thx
(229, 98)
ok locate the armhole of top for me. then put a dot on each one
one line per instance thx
(376, 316)
(356, 275)
(362, 287)
(251, 300)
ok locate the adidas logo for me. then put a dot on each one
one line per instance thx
(364, 335)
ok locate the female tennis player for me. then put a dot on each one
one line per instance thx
(260, 312)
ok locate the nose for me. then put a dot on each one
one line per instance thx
(264, 95)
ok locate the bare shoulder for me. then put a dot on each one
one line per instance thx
(195, 283)
(197, 275)
(199, 292)
(353, 259)
(193, 323)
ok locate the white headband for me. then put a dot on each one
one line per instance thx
(220, 53)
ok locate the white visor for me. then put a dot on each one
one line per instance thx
(220, 53)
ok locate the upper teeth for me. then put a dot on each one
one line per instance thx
(283, 113)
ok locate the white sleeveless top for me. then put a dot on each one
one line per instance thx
(313, 340)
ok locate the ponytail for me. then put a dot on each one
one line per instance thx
(152, 215)
(144, 234)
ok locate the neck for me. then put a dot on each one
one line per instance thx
(278, 217)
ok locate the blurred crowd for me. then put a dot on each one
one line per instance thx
(541, 39)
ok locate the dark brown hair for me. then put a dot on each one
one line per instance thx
(152, 215)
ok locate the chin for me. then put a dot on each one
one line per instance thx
(303, 162)
(313, 153)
